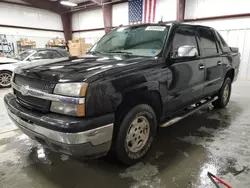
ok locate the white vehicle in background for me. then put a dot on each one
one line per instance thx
(7, 65)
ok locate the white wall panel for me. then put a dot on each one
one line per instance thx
(30, 32)
(165, 9)
(120, 14)
(90, 19)
(211, 8)
(90, 36)
(29, 17)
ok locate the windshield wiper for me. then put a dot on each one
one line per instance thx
(119, 52)
(94, 52)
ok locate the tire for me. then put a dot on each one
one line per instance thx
(140, 122)
(224, 94)
(5, 79)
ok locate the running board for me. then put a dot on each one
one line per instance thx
(198, 107)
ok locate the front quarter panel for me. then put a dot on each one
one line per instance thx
(8, 67)
(105, 96)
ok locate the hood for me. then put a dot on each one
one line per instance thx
(86, 68)
(6, 60)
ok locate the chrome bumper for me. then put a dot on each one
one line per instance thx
(95, 136)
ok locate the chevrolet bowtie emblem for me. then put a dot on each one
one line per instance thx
(24, 90)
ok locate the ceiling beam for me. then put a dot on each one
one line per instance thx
(47, 5)
(99, 2)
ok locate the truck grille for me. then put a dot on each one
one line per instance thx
(33, 102)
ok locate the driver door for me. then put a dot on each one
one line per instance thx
(188, 73)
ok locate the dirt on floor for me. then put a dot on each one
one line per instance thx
(210, 140)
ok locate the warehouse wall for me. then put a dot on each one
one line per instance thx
(211, 8)
(87, 20)
(22, 16)
(93, 19)
(236, 31)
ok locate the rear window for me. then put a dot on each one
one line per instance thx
(208, 41)
(223, 42)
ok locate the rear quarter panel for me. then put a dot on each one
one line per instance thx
(231, 60)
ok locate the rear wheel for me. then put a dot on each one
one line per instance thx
(135, 135)
(224, 94)
(5, 78)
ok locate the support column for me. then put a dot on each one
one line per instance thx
(180, 10)
(67, 25)
(107, 16)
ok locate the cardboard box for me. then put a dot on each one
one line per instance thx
(78, 47)
(75, 51)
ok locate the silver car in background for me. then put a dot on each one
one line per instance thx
(7, 65)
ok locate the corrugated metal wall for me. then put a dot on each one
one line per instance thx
(240, 38)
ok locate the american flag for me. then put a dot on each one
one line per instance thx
(141, 11)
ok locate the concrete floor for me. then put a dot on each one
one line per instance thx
(210, 140)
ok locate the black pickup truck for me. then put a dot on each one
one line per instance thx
(134, 80)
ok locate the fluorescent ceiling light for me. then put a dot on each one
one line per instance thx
(68, 3)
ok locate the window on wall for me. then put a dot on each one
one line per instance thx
(208, 41)
(183, 36)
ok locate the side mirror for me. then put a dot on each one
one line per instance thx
(186, 51)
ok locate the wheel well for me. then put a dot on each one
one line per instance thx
(6, 71)
(230, 74)
(152, 98)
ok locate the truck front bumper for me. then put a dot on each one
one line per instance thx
(69, 135)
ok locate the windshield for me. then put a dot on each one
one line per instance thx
(137, 40)
(24, 54)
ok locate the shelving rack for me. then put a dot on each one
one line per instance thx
(6, 48)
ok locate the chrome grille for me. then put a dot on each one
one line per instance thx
(42, 85)
(33, 102)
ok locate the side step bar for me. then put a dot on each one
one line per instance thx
(198, 107)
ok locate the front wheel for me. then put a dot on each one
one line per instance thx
(5, 78)
(224, 94)
(136, 133)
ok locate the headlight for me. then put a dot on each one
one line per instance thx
(68, 109)
(71, 89)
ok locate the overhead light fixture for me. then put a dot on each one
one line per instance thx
(68, 3)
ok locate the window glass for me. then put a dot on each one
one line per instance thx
(24, 55)
(183, 36)
(47, 55)
(53, 55)
(222, 40)
(40, 55)
(208, 41)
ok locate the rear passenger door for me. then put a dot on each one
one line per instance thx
(188, 74)
(212, 60)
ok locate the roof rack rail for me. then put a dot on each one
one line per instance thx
(166, 22)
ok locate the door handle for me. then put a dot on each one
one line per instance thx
(219, 63)
(201, 66)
